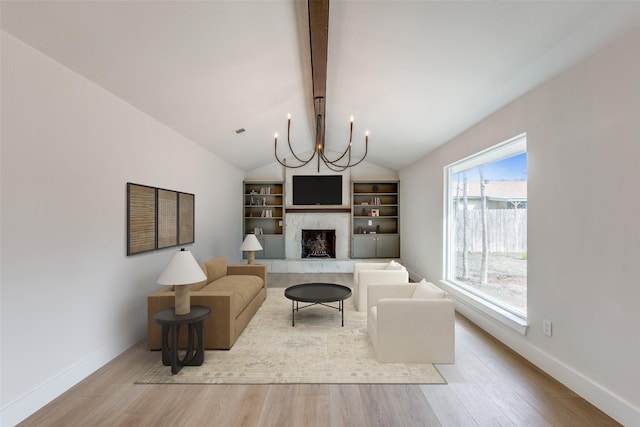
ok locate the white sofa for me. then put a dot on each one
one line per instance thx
(411, 323)
(369, 273)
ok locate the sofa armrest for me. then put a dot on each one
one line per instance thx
(417, 327)
(360, 266)
(248, 270)
(398, 290)
(367, 277)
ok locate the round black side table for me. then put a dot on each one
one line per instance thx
(171, 323)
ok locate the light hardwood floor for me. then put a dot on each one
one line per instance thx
(489, 385)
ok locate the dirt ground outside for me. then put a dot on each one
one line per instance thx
(507, 277)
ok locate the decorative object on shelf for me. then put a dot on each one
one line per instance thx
(182, 270)
(250, 245)
(375, 212)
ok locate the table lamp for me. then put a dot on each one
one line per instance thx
(251, 245)
(183, 270)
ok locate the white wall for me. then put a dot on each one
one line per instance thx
(71, 298)
(583, 138)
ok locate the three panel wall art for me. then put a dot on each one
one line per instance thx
(158, 218)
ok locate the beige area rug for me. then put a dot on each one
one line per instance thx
(316, 351)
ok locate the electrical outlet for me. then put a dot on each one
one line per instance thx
(546, 327)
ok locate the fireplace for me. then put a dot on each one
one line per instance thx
(318, 243)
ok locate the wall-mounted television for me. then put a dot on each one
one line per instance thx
(317, 189)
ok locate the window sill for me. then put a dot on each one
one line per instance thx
(486, 308)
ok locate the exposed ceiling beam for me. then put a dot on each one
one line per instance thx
(319, 40)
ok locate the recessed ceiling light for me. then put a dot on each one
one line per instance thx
(239, 131)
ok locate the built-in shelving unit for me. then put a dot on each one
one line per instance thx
(375, 219)
(264, 216)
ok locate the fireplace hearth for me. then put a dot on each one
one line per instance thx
(318, 243)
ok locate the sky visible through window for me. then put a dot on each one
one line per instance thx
(510, 169)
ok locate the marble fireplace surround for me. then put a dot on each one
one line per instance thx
(296, 222)
(294, 263)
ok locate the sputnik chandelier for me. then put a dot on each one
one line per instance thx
(339, 164)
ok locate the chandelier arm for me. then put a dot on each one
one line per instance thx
(333, 165)
(292, 166)
(294, 154)
(348, 149)
(335, 168)
(335, 161)
(349, 164)
(341, 156)
(303, 162)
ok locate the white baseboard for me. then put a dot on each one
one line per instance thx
(616, 407)
(24, 406)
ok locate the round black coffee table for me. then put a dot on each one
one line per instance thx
(317, 294)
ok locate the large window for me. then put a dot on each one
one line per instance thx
(486, 238)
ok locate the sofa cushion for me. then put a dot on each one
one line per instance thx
(426, 290)
(216, 268)
(394, 266)
(243, 287)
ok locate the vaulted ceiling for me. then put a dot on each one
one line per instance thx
(413, 73)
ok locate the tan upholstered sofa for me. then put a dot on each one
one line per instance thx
(232, 292)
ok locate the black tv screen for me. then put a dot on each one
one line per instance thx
(317, 189)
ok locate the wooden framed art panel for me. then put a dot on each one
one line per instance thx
(158, 218)
(186, 215)
(167, 218)
(141, 218)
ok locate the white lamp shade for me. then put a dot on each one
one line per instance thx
(183, 269)
(251, 243)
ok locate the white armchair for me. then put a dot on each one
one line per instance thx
(369, 273)
(409, 326)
